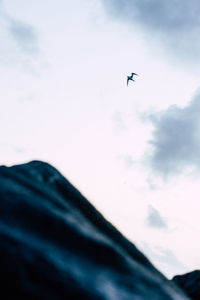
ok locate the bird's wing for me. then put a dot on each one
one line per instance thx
(127, 80)
(134, 74)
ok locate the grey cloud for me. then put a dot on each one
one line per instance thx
(24, 34)
(174, 15)
(154, 218)
(176, 139)
(176, 22)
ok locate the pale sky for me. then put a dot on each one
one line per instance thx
(132, 151)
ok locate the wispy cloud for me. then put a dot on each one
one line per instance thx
(175, 22)
(13, 148)
(24, 35)
(127, 160)
(118, 120)
(154, 219)
(19, 40)
(165, 258)
(176, 139)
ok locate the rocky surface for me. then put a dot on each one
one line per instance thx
(190, 283)
(55, 245)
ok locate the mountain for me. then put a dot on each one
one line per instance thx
(55, 245)
(190, 283)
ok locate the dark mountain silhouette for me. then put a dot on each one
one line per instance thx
(55, 245)
(190, 283)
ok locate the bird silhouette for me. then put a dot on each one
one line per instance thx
(131, 77)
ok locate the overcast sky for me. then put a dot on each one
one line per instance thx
(133, 151)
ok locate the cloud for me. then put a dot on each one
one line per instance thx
(167, 16)
(164, 258)
(24, 34)
(15, 32)
(118, 119)
(175, 22)
(154, 219)
(176, 139)
(127, 160)
(13, 148)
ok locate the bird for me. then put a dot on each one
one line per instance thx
(131, 77)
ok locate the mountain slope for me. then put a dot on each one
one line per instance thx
(56, 245)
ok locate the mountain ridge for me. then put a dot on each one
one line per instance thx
(56, 245)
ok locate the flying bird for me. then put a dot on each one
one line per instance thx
(131, 77)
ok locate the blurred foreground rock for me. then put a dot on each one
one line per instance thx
(54, 244)
(190, 283)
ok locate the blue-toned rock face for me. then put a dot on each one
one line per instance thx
(54, 245)
(190, 283)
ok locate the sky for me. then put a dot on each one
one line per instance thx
(133, 150)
